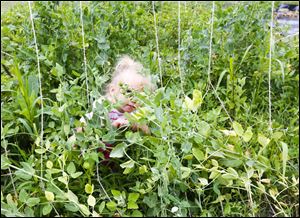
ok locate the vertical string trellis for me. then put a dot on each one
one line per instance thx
(157, 46)
(209, 60)
(40, 86)
(179, 64)
(270, 68)
(84, 55)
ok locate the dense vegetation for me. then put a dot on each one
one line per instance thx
(196, 162)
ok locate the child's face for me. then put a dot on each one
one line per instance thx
(129, 107)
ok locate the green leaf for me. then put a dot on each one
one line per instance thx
(231, 162)
(264, 141)
(233, 172)
(247, 135)
(5, 162)
(185, 172)
(111, 205)
(71, 207)
(277, 135)
(89, 188)
(66, 129)
(197, 98)
(238, 128)
(71, 168)
(198, 154)
(143, 169)
(132, 205)
(84, 209)
(214, 162)
(115, 193)
(49, 196)
(228, 176)
(91, 201)
(118, 151)
(203, 181)
(214, 174)
(40, 150)
(284, 156)
(23, 196)
(136, 213)
(188, 103)
(186, 147)
(47, 209)
(151, 200)
(75, 175)
(204, 128)
(71, 196)
(128, 164)
(32, 201)
(59, 70)
(133, 197)
(63, 179)
(101, 207)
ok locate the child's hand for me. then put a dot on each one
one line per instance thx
(121, 121)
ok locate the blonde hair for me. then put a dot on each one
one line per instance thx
(128, 72)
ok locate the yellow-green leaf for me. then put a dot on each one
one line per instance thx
(89, 188)
(49, 196)
(198, 154)
(49, 164)
(132, 205)
(247, 135)
(238, 128)
(111, 205)
(133, 197)
(263, 140)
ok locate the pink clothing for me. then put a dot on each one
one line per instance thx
(114, 114)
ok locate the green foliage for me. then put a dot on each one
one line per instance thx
(195, 162)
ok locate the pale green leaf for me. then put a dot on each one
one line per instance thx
(47, 209)
(32, 201)
(284, 156)
(75, 175)
(128, 164)
(23, 196)
(118, 151)
(91, 201)
(71, 168)
(84, 209)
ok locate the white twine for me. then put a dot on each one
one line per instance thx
(84, 56)
(40, 84)
(270, 68)
(209, 61)
(157, 46)
(179, 66)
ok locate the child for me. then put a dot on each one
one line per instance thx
(127, 73)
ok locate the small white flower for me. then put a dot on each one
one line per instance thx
(82, 120)
(174, 209)
(89, 115)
